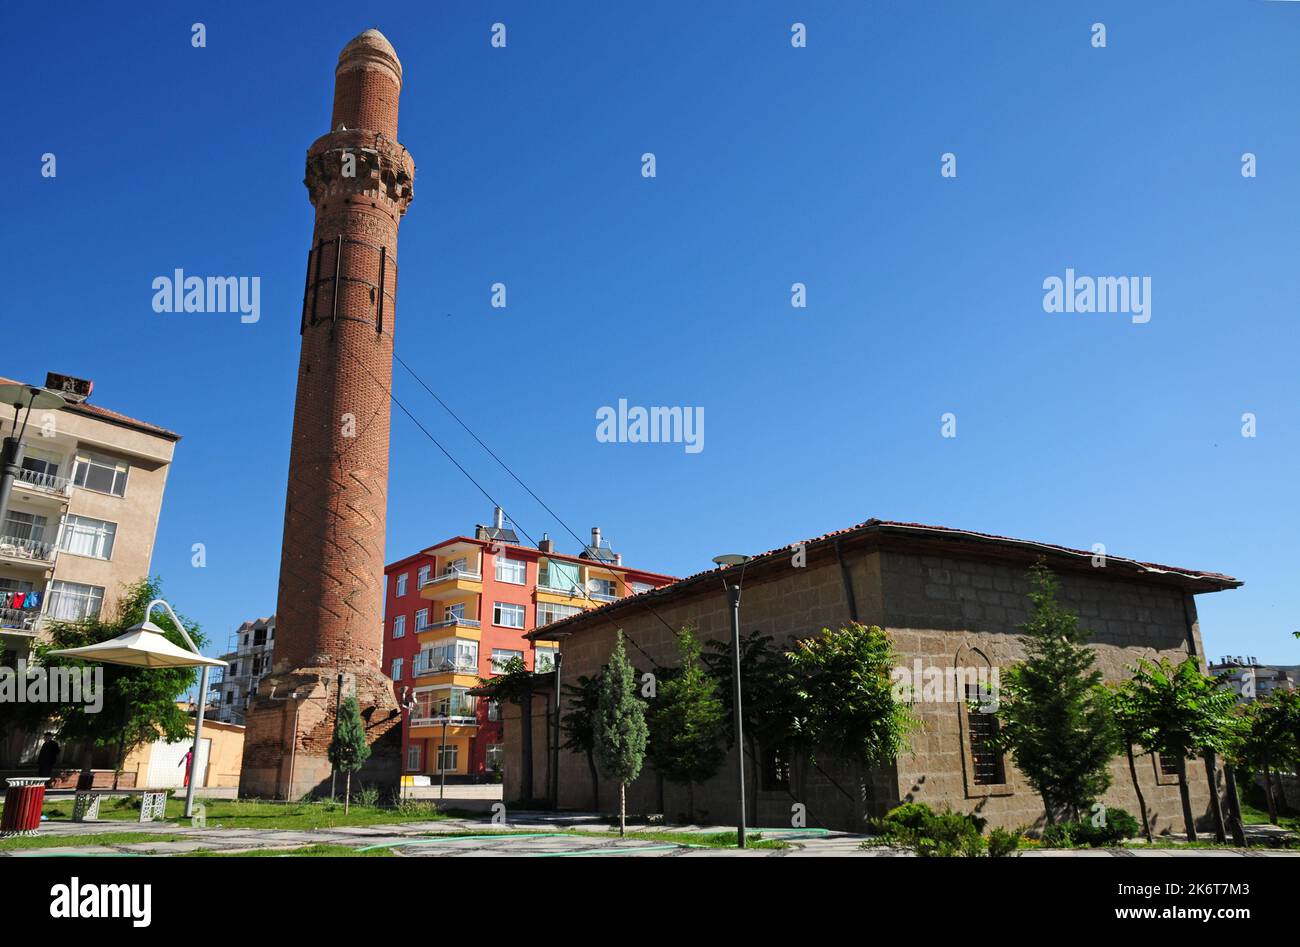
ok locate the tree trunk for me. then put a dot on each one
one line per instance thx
(595, 782)
(1234, 806)
(690, 802)
(1268, 792)
(347, 793)
(1188, 822)
(622, 809)
(1137, 788)
(1216, 803)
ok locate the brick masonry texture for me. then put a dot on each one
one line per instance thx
(330, 606)
(947, 612)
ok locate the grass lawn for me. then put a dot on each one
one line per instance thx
(308, 851)
(703, 839)
(239, 814)
(70, 841)
(1252, 816)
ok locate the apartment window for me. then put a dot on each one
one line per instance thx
(397, 669)
(413, 758)
(257, 665)
(544, 659)
(548, 612)
(454, 612)
(101, 474)
(607, 587)
(639, 587)
(259, 637)
(507, 615)
(494, 711)
(40, 462)
(422, 619)
(503, 656)
(776, 770)
(511, 570)
(71, 601)
(455, 702)
(987, 760)
(25, 526)
(456, 565)
(399, 626)
(561, 576)
(423, 705)
(401, 584)
(422, 577)
(496, 753)
(234, 669)
(83, 536)
(448, 757)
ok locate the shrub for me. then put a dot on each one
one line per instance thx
(1002, 843)
(367, 796)
(1118, 826)
(944, 834)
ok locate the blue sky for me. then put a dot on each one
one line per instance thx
(774, 165)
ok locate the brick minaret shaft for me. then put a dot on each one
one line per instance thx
(329, 615)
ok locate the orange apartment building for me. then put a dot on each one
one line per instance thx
(458, 611)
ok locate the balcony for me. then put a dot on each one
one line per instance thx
(27, 551)
(454, 624)
(20, 620)
(43, 483)
(602, 597)
(426, 668)
(452, 586)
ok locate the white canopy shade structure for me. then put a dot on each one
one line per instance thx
(144, 645)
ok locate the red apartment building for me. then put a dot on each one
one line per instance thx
(459, 610)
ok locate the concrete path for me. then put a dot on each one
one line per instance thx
(538, 835)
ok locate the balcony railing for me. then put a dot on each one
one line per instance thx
(17, 619)
(444, 667)
(60, 486)
(603, 597)
(571, 590)
(453, 574)
(11, 547)
(455, 720)
(448, 623)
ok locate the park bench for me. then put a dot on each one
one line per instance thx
(153, 803)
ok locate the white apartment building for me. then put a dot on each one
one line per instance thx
(82, 515)
(248, 660)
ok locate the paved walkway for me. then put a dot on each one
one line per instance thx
(527, 834)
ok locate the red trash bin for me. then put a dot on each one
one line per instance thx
(23, 801)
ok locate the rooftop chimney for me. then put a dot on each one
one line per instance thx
(595, 537)
(546, 545)
(498, 517)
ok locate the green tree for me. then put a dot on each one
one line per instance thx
(579, 726)
(767, 702)
(843, 702)
(1267, 739)
(348, 750)
(620, 727)
(1177, 711)
(1054, 714)
(139, 704)
(686, 722)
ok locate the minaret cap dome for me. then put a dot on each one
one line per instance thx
(373, 46)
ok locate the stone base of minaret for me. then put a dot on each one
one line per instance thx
(290, 724)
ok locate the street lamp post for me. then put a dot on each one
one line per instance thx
(733, 591)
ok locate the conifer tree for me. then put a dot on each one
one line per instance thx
(687, 722)
(1054, 713)
(348, 751)
(620, 727)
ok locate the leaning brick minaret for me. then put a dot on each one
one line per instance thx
(329, 618)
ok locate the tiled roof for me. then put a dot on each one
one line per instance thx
(106, 414)
(1191, 578)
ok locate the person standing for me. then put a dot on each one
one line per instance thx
(48, 757)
